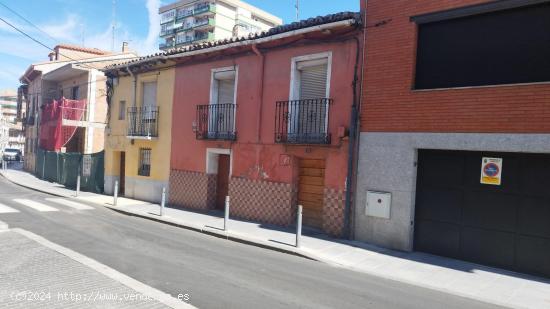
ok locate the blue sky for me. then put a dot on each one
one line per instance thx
(89, 21)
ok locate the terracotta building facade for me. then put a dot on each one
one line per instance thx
(265, 120)
(455, 131)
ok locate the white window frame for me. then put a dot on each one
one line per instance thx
(214, 84)
(214, 88)
(294, 93)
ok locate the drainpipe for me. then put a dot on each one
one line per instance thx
(134, 95)
(260, 103)
(352, 144)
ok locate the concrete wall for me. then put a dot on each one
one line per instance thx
(140, 187)
(387, 163)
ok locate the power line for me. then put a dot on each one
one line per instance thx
(44, 45)
(28, 21)
(37, 41)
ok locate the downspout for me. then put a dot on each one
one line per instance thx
(352, 145)
(134, 95)
(260, 106)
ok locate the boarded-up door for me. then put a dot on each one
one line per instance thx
(310, 191)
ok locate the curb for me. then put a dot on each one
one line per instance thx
(32, 188)
(219, 234)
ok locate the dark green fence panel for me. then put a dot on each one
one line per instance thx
(64, 168)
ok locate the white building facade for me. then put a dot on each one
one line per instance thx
(188, 22)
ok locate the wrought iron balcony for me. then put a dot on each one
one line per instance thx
(143, 122)
(302, 121)
(216, 122)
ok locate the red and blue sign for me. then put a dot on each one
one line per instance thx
(491, 170)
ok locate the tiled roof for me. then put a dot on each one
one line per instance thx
(306, 23)
(82, 49)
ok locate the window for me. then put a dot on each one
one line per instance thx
(223, 85)
(144, 168)
(75, 93)
(121, 110)
(149, 99)
(167, 16)
(222, 101)
(309, 104)
(490, 48)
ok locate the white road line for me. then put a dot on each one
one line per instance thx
(5, 209)
(35, 205)
(69, 203)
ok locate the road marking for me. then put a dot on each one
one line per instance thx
(35, 205)
(71, 204)
(5, 209)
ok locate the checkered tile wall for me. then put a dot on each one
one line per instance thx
(263, 201)
(192, 189)
(333, 212)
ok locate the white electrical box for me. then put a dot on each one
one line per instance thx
(378, 204)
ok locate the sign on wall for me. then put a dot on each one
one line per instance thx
(491, 171)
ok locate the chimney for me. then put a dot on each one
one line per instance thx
(125, 48)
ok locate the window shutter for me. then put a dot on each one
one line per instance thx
(226, 91)
(313, 82)
(149, 94)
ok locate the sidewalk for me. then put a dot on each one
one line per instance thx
(447, 275)
(39, 274)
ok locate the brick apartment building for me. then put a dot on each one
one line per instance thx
(454, 150)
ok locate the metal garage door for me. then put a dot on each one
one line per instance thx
(506, 226)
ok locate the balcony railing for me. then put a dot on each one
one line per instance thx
(166, 32)
(216, 122)
(143, 122)
(203, 8)
(166, 45)
(302, 121)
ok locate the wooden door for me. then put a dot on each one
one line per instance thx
(222, 188)
(311, 191)
(122, 172)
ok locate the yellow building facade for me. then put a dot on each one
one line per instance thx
(138, 135)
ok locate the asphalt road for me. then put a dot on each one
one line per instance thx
(216, 273)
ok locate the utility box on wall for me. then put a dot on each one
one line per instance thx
(378, 204)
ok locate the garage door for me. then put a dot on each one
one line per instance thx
(506, 225)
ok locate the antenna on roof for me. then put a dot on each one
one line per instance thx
(82, 34)
(297, 6)
(113, 26)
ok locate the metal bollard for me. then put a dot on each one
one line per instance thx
(226, 215)
(115, 193)
(162, 202)
(299, 226)
(77, 185)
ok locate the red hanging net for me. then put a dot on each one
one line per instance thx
(59, 121)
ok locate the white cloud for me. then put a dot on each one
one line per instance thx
(69, 30)
(66, 31)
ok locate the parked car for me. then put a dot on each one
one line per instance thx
(12, 154)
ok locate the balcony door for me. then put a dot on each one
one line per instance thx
(221, 119)
(149, 107)
(308, 107)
